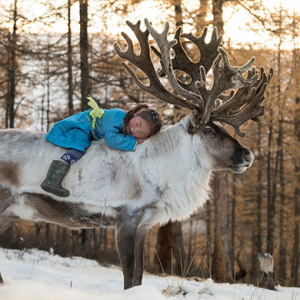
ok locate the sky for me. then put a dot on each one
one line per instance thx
(235, 19)
(39, 275)
(154, 13)
(292, 4)
(239, 24)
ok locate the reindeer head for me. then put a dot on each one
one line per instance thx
(233, 99)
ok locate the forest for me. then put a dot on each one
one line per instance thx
(54, 54)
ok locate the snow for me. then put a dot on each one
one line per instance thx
(35, 275)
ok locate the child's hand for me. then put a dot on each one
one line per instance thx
(139, 141)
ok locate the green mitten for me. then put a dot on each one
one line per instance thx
(96, 113)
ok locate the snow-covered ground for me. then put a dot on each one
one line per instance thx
(40, 275)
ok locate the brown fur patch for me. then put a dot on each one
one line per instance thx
(66, 214)
(9, 173)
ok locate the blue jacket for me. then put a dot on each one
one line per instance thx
(76, 131)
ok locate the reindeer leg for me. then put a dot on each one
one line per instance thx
(6, 221)
(139, 255)
(1, 279)
(125, 237)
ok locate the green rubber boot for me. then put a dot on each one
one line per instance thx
(56, 173)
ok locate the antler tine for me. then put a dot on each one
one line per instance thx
(165, 47)
(250, 111)
(208, 51)
(234, 75)
(226, 78)
(245, 104)
(181, 61)
(144, 63)
(236, 100)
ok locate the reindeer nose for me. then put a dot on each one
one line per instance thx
(248, 157)
(246, 154)
(242, 156)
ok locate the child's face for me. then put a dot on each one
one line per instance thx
(138, 128)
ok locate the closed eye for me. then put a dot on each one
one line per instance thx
(139, 125)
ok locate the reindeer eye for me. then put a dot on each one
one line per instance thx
(209, 131)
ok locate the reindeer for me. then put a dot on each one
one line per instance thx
(167, 177)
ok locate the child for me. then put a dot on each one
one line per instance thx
(121, 130)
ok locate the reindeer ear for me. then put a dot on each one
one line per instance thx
(193, 121)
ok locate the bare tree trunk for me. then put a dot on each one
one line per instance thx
(83, 236)
(233, 219)
(37, 237)
(170, 255)
(57, 238)
(65, 243)
(283, 243)
(75, 242)
(282, 217)
(70, 62)
(223, 268)
(271, 205)
(256, 226)
(200, 19)
(48, 97)
(218, 15)
(178, 12)
(259, 195)
(105, 239)
(222, 261)
(163, 256)
(47, 235)
(84, 67)
(10, 112)
(47, 90)
(295, 257)
(295, 261)
(273, 192)
(178, 250)
(97, 241)
(208, 207)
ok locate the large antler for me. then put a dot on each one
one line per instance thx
(144, 63)
(240, 97)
